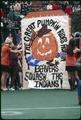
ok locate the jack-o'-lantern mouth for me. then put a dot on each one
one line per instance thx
(44, 54)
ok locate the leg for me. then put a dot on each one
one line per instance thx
(79, 91)
(18, 84)
(73, 80)
(13, 80)
(70, 79)
(4, 78)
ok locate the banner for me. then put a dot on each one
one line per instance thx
(44, 41)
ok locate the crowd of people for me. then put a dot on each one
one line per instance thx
(11, 51)
(11, 13)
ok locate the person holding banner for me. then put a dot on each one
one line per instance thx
(78, 65)
(71, 63)
(5, 61)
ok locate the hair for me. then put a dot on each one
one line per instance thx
(77, 42)
(71, 47)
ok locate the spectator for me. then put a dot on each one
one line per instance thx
(64, 6)
(17, 7)
(56, 7)
(49, 7)
(11, 14)
(69, 10)
(18, 37)
(2, 14)
(76, 8)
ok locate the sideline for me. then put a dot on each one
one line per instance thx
(42, 108)
(10, 113)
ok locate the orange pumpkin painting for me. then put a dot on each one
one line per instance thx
(44, 46)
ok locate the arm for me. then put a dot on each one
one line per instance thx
(15, 51)
(76, 50)
(80, 44)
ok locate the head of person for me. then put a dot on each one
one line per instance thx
(9, 42)
(77, 35)
(72, 43)
(10, 35)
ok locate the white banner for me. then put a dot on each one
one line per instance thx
(44, 41)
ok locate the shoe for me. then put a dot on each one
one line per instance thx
(4, 89)
(20, 88)
(12, 89)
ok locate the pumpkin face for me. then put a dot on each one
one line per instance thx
(45, 47)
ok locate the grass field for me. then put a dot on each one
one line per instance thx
(40, 104)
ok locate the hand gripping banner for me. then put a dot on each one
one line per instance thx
(45, 36)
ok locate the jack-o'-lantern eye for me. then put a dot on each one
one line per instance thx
(43, 41)
(45, 48)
